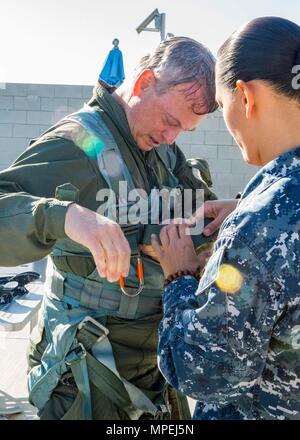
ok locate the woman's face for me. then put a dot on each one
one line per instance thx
(240, 126)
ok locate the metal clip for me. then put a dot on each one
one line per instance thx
(140, 277)
(78, 353)
(89, 319)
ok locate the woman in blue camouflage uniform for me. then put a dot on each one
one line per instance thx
(233, 341)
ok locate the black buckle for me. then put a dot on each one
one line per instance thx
(68, 380)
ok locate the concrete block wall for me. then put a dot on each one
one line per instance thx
(211, 141)
(26, 110)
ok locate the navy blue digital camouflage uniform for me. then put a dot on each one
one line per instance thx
(238, 352)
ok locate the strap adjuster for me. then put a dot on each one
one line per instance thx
(88, 320)
(77, 354)
(163, 413)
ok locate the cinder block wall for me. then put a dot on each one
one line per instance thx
(211, 141)
(26, 110)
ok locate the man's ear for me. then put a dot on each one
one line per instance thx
(145, 80)
(248, 100)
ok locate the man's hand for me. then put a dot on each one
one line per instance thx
(177, 251)
(216, 209)
(103, 237)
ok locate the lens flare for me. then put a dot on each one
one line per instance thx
(229, 280)
(92, 146)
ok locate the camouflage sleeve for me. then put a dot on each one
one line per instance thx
(213, 341)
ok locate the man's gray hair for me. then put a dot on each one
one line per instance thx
(181, 60)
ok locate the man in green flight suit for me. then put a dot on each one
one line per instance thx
(94, 352)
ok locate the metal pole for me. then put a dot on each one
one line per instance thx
(162, 26)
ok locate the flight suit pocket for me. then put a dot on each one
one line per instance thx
(67, 192)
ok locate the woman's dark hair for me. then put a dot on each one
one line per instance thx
(266, 48)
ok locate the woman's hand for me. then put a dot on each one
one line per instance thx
(216, 209)
(176, 252)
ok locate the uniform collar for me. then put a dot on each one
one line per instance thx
(279, 168)
(115, 112)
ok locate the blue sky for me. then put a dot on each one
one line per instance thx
(66, 41)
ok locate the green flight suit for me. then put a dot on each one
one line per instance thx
(32, 219)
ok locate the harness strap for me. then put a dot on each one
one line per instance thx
(167, 156)
(76, 360)
(105, 376)
(109, 385)
(95, 295)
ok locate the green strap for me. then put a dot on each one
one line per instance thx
(76, 360)
(184, 409)
(105, 376)
(129, 306)
(167, 156)
(92, 294)
(132, 233)
(110, 386)
(102, 351)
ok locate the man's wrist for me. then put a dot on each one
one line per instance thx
(57, 211)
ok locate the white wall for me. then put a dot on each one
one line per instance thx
(211, 141)
(26, 110)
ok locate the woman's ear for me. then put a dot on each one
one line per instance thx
(145, 80)
(247, 94)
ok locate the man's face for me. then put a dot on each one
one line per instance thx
(158, 118)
